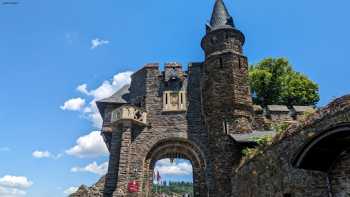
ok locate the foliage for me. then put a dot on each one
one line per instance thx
(273, 81)
(307, 114)
(280, 127)
(261, 141)
(250, 152)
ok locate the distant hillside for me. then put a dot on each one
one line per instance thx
(172, 188)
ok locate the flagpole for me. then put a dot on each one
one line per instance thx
(156, 185)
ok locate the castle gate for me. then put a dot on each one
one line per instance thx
(189, 114)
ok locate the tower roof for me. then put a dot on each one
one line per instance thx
(220, 18)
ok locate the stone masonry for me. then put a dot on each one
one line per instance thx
(205, 114)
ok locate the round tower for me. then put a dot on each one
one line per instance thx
(226, 99)
(225, 88)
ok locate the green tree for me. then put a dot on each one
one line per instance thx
(273, 81)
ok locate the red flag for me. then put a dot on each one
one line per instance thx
(158, 177)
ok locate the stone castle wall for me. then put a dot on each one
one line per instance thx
(340, 175)
(271, 172)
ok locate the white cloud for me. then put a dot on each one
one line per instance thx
(4, 149)
(106, 89)
(45, 154)
(70, 190)
(19, 182)
(97, 42)
(11, 192)
(93, 168)
(83, 88)
(91, 145)
(14, 186)
(165, 167)
(74, 104)
(41, 154)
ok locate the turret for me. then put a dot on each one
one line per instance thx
(225, 87)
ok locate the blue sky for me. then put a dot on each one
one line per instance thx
(50, 48)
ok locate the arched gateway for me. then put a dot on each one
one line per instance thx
(176, 148)
(188, 114)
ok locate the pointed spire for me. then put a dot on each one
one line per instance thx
(220, 17)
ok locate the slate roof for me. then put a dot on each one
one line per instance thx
(257, 108)
(220, 17)
(249, 137)
(278, 108)
(122, 96)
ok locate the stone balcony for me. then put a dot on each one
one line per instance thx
(129, 113)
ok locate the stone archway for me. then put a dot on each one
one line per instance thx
(329, 152)
(323, 150)
(176, 148)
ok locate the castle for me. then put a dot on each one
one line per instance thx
(206, 115)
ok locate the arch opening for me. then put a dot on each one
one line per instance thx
(321, 152)
(186, 153)
(173, 176)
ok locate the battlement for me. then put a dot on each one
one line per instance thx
(167, 67)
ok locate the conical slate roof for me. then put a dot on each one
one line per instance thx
(220, 17)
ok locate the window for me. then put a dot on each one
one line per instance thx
(221, 62)
(174, 101)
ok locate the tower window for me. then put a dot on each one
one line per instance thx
(225, 126)
(213, 40)
(166, 99)
(221, 62)
(181, 98)
(227, 36)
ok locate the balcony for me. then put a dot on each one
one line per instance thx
(129, 113)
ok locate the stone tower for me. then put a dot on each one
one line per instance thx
(225, 87)
(226, 99)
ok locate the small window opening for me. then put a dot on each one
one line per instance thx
(221, 62)
(213, 40)
(181, 98)
(166, 98)
(227, 36)
(287, 195)
(225, 127)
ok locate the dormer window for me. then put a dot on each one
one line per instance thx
(174, 101)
